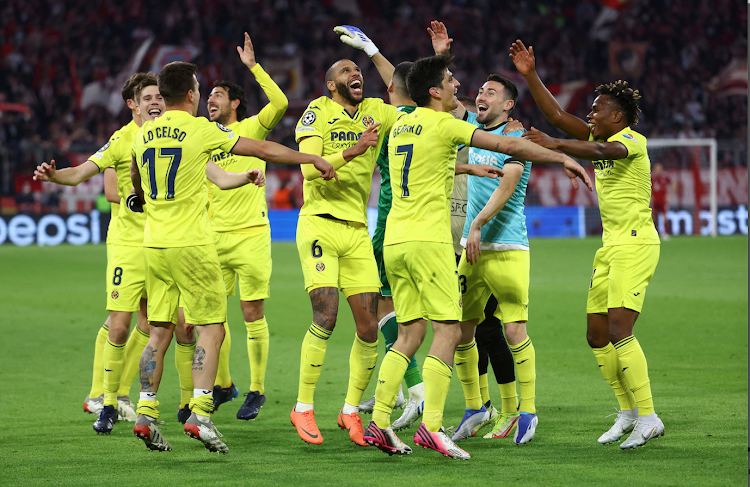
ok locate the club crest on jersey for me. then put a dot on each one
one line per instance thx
(115, 295)
(368, 121)
(308, 118)
(320, 266)
(223, 127)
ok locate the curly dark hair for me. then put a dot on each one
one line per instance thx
(626, 97)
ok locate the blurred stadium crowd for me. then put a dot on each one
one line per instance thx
(685, 57)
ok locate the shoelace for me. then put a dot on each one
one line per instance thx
(616, 413)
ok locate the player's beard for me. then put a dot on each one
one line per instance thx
(346, 93)
(488, 116)
(223, 117)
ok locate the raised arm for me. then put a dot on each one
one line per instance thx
(497, 201)
(230, 180)
(528, 151)
(314, 146)
(279, 154)
(353, 36)
(270, 114)
(70, 176)
(441, 44)
(526, 65)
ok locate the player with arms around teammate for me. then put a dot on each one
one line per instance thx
(170, 163)
(335, 250)
(418, 249)
(239, 219)
(625, 264)
(126, 274)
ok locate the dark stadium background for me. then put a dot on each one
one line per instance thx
(61, 61)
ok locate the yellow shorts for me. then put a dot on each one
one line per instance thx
(337, 254)
(126, 277)
(192, 273)
(620, 277)
(247, 255)
(424, 281)
(503, 274)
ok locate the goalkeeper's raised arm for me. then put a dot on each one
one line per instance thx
(354, 37)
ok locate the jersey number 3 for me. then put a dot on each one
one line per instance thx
(175, 157)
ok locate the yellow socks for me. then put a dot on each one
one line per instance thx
(437, 379)
(311, 361)
(257, 351)
(635, 370)
(609, 365)
(509, 397)
(484, 388)
(97, 380)
(525, 358)
(202, 405)
(114, 360)
(362, 361)
(133, 350)
(183, 359)
(392, 371)
(223, 377)
(466, 359)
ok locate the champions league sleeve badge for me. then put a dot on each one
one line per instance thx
(308, 118)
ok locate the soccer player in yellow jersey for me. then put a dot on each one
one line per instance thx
(125, 266)
(335, 250)
(242, 233)
(625, 264)
(418, 248)
(170, 163)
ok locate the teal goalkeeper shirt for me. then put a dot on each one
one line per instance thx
(507, 231)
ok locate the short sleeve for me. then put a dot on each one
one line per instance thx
(109, 153)
(217, 136)
(457, 132)
(388, 116)
(311, 122)
(629, 141)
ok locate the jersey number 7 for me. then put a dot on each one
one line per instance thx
(408, 150)
(175, 157)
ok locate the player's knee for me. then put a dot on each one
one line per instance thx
(326, 321)
(252, 310)
(596, 340)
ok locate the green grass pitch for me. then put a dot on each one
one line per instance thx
(693, 330)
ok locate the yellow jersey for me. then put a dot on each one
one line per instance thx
(172, 153)
(422, 161)
(624, 190)
(246, 207)
(345, 199)
(128, 226)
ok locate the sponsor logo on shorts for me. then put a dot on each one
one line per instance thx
(320, 266)
(115, 295)
(368, 121)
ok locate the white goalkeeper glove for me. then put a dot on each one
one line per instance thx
(356, 38)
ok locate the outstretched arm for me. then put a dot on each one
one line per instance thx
(279, 154)
(441, 44)
(480, 170)
(582, 149)
(231, 180)
(528, 151)
(353, 36)
(271, 114)
(497, 201)
(526, 65)
(70, 176)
